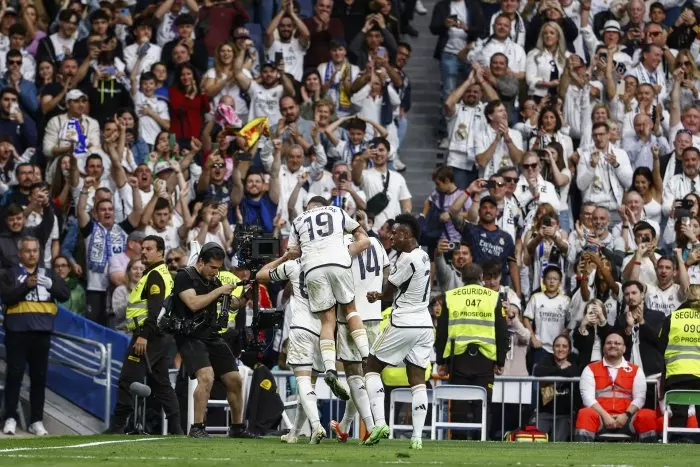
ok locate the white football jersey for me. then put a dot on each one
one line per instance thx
(411, 277)
(550, 315)
(302, 318)
(368, 272)
(319, 233)
(666, 301)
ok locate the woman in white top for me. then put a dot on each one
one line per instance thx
(545, 63)
(221, 81)
(649, 185)
(690, 80)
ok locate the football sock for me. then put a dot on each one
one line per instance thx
(360, 338)
(375, 391)
(308, 399)
(419, 406)
(328, 353)
(300, 418)
(360, 397)
(349, 415)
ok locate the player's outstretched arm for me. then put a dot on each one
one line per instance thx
(263, 276)
(361, 242)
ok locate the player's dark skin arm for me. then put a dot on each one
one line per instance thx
(387, 294)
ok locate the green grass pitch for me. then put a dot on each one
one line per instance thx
(103, 451)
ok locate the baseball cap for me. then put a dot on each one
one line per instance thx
(268, 64)
(612, 25)
(488, 199)
(74, 95)
(10, 11)
(161, 167)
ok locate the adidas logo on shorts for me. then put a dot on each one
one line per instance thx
(421, 407)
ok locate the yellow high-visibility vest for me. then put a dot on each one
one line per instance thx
(227, 277)
(137, 309)
(472, 320)
(395, 376)
(683, 350)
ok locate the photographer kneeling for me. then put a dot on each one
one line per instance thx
(205, 354)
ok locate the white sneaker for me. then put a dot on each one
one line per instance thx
(38, 429)
(10, 426)
(289, 438)
(318, 434)
(398, 165)
(420, 8)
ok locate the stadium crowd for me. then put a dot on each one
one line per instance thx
(571, 134)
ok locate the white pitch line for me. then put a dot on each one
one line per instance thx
(83, 445)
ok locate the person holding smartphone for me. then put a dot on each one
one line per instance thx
(290, 48)
(591, 331)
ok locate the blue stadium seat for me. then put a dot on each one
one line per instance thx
(256, 34)
(307, 8)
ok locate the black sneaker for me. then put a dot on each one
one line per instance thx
(336, 388)
(198, 432)
(241, 432)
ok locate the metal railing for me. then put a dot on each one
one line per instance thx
(103, 365)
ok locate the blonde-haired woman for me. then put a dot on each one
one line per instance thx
(545, 63)
(590, 332)
(120, 296)
(220, 81)
(690, 77)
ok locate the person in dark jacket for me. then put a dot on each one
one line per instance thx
(14, 229)
(552, 12)
(29, 293)
(559, 365)
(16, 123)
(198, 49)
(642, 327)
(590, 333)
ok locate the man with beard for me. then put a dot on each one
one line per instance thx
(258, 205)
(19, 193)
(672, 163)
(682, 184)
(291, 45)
(176, 259)
(156, 220)
(667, 295)
(148, 350)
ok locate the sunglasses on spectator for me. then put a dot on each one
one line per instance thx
(218, 165)
(686, 63)
(14, 62)
(530, 166)
(500, 184)
(510, 179)
(654, 33)
(173, 259)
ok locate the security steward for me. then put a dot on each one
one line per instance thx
(148, 350)
(680, 340)
(472, 341)
(204, 352)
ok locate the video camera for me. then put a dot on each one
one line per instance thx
(255, 248)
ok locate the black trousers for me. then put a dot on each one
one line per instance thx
(680, 412)
(135, 368)
(26, 348)
(479, 373)
(96, 307)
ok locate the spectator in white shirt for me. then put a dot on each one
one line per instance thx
(497, 146)
(641, 145)
(532, 189)
(167, 13)
(603, 171)
(287, 48)
(509, 8)
(682, 184)
(337, 75)
(545, 63)
(500, 42)
(373, 181)
(647, 71)
(153, 112)
(141, 55)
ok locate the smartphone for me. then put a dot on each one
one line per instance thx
(682, 213)
(603, 56)
(343, 177)
(109, 70)
(14, 108)
(454, 18)
(381, 52)
(546, 221)
(687, 204)
(278, 58)
(171, 141)
(591, 248)
(125, 12)
(646, 239)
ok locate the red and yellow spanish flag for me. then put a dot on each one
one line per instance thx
(253, 130)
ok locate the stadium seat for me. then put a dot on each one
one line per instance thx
(450, 392)
(402, 395)
(306, 8)
(679, 397)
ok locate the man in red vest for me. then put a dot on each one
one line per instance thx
(613, 393)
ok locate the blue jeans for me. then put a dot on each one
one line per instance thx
(453, 72)
(464, 178)
(401, 129)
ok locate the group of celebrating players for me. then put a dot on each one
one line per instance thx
(331, 261)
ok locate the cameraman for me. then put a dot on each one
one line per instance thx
(204, 353)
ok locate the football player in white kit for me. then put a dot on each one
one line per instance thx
(317, 235)
(371, 271)
(303, 353)
(409, 335)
